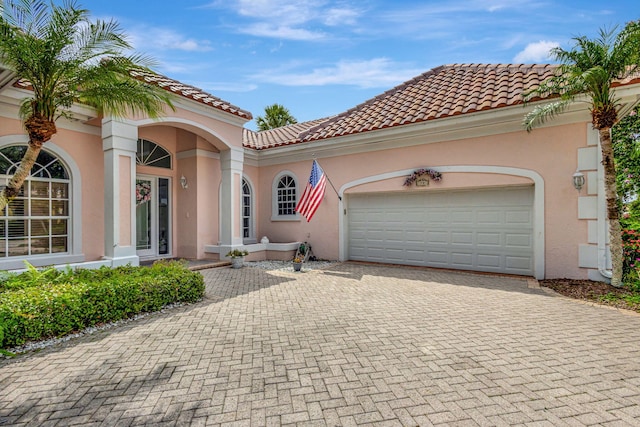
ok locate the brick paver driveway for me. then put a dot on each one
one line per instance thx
(350, 345)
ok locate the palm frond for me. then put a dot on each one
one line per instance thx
(589, 68)
(68, 58)
(542, 113)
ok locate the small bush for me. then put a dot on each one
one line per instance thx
(631, 252)
(40, 304)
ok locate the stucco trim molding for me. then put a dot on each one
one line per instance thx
(197, 152)
(538, 204)
(191, 125)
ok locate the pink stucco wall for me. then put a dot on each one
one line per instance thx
(551, 152)
(87, 153)
(195, 208)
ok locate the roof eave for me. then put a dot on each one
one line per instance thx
(479, 124)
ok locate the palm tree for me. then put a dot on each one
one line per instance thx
(586, 74)
(65, 58)
(275, 116)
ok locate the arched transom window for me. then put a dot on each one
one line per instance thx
(37, 221)
(151, 154)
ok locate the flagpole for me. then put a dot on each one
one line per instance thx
(327, 176)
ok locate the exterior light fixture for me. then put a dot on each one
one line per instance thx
(578, 180)
(183, 182)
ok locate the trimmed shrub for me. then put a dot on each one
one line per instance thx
(40, 304)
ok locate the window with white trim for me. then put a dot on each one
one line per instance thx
(247, 217)
(37, 221)
(286, 196)
(284, 190)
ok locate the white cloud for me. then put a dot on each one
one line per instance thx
(281, 32)
(340, 16)
(292, 19)
(213, 87)
(286, 12)
(377, 72)
(536, 52)
(161, 39)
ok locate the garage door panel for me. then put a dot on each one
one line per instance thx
(394, 235)
(489, 239)
(461, 218)
(487, 261)
(437, 257)
(436, 217)
(462, 238)
(518, 240)
(415, 236)
(518, 217)
(462, 260)
(393, 217)
(485, 230)
(375, 217)
(413, 217)
(435, 237)
(489, 218)
(414, 255)
(518, 263)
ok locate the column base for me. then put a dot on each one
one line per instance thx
(134, 260)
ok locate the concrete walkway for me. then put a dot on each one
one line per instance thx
(350, 345)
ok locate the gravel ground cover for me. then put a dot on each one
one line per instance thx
(288, 265)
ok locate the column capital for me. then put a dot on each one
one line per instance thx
(232, 159)
(119, 134)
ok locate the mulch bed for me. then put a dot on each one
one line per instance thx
(587, 290)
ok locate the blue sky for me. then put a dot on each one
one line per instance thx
(321, 57)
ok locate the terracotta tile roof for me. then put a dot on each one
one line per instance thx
(445, 91)
(184, 90)
(285, 135)
(190, 92)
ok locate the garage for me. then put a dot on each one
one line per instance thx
(487, 230)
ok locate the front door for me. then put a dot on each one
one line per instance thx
(152, 217)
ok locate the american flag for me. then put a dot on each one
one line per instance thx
(313, 192)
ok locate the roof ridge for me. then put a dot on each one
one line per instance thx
(188, 91)
(284, 135)
(370, 101)
(444, 91)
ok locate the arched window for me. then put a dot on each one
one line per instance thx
(151, 154)
(284, 189)
(286, 196)
(37, 221)
(247, 217)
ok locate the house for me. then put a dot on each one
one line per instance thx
(195, 183)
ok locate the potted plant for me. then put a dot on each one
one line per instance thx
(297, 264)
(237, 257)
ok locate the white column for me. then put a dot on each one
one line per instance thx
(231, 162)
(119, 140)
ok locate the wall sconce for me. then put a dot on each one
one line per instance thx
(183, 182)
(578, 180)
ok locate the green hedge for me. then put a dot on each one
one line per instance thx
(41, 304)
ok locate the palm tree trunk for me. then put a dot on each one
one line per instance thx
(15, 183)
(40, 130)
(613, 213)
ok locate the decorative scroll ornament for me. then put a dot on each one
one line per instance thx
(420, 177)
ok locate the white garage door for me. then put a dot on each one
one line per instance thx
(481, 230)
